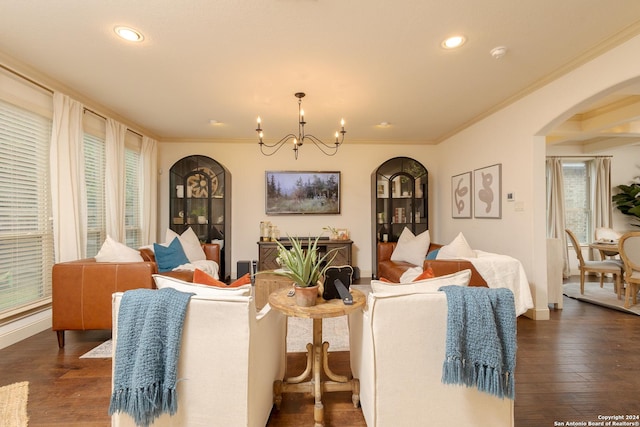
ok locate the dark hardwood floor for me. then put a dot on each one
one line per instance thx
(582, 363)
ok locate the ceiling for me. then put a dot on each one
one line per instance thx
(367, 61)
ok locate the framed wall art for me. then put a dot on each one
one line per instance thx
(461, 195)
(487, 190)
(289, 193)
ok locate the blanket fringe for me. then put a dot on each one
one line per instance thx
(485, 378)
(144, 405)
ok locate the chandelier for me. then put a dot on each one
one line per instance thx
(298, 140)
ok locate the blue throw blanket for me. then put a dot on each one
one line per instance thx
(146, 360)
(481, 339)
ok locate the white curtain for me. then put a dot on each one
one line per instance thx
(149, 190)
(68, 191)
(603, 207)
(555, 209)
(115, 180)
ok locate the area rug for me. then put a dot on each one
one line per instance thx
(103, 351)
(594, 294)
(13, 405)
(335, 331)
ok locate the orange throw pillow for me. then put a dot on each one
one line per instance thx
(202, 278)
(240, 281)
(426, 274)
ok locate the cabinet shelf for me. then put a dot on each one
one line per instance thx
(400, 187)
(198, 199)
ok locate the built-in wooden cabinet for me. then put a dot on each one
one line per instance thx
(199, 198)
(400, 199)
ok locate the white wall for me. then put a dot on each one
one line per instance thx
(511, 137)
(247, 166)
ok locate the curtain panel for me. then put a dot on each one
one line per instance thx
(115, 180)
(67, 180)
(555, 209)
(149, 188)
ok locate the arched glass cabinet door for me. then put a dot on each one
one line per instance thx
(400, 189)
(198, 199)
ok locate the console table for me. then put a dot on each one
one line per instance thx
(268, 251)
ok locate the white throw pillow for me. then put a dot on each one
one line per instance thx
(113, 251)
(410, 248)
(200, 290)
(190, 243)
(426, 286)
(458, 248)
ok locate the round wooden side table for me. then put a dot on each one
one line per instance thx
(317, 352)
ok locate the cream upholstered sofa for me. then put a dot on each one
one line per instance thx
(229, 359)
(397, 352)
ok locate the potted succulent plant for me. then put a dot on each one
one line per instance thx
(305, 267)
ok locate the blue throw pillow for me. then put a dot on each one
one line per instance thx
(433, 254)
(169, 257)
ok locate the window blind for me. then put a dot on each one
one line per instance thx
(26, 235)
(132, 198)
(94, 161)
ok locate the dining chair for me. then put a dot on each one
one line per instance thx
(599, 267)
(629, 248)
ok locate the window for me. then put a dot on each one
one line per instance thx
(132, 198)
(26, 234)
(577, 190)
(94, 161)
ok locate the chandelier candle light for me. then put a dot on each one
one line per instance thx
(328, 149)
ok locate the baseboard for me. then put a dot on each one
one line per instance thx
(21, 329)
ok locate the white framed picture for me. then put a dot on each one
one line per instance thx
(383, 189)
(487, 190)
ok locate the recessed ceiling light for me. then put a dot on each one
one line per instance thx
(214, 122)
(453, 42)
(129, 34)
(383, 125)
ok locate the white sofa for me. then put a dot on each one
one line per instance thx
(229, 359)
(397, 351)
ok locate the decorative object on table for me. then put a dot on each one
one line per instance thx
(333, 232)
(264, 231)
(302, 193)
(461, 195)
(304, 267)
(343, 234)
(487, 188)
(337, 281)
(328, 149)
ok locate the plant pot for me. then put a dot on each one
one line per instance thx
(306, 297)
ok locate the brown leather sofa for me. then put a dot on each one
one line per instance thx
(393, 270)
(82, 289)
